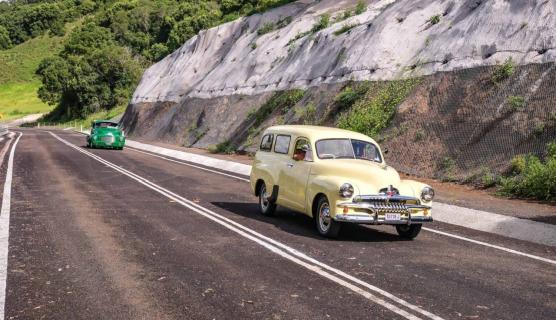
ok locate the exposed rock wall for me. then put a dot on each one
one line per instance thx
(391, 39)
(202, 94)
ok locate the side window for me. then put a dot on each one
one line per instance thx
(282, 144)
(302, 151)
(266, 142)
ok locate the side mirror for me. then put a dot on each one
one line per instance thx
(385, 151)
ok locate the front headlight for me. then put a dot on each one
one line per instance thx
(346, 190)
(427, 194)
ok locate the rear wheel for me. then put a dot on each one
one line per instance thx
(408, 231)
(266, 207)
(326, 226)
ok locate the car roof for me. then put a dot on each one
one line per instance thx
(315, 133)
(105, 121)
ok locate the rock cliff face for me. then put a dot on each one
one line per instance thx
(205, 92)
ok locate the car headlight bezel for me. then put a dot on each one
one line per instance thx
(346, 190)
(427, 194)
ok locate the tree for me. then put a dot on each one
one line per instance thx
(5, 42)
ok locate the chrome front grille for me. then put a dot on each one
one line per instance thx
(384, 207)
(108, 139)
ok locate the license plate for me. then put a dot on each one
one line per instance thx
(393, 217)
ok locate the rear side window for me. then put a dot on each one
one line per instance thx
(266, 143)
(282, 144)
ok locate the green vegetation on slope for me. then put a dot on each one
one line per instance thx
(372, 105)
(20, 99)
(532, 177)
(18, 82)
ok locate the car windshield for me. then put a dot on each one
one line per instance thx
(347, 149)
(106, 125)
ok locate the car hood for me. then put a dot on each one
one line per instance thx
(367, 177)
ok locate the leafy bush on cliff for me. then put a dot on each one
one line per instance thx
(503, 71)
(372, 113)
(283, 101)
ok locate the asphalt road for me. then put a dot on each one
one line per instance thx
(102, 234)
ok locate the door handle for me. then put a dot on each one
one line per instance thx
(290, 165)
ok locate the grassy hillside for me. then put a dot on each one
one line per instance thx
(18, 82)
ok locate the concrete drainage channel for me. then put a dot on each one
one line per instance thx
(522, 229)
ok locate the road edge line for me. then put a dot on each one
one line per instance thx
(5, 228)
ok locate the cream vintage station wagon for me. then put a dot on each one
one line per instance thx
(336, 176)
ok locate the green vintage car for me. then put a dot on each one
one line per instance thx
(106, 134)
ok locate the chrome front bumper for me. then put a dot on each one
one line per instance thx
(376, 219)
(376, 208)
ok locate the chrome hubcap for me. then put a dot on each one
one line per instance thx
(263, 199)
(324, 217)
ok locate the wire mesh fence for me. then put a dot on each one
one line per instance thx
(462, 123)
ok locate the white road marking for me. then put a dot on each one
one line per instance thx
(5, 228)
(490, 245)
(188, 164)
(522, 229)
(220, 164)
(292, 255)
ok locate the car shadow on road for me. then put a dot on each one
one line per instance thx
(302, 225)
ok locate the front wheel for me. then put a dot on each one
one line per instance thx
(266, 207)
(408, 231)
(326, 226)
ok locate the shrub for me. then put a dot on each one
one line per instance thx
(344, 28)
(323, 23)
(5, 41)
(551, 150)
(297, 37)
(539, 128)
(223, 147)
(434, 19)
(419, 135)
(348, 96)
(253, 45)
(360, 7)
(488, 179)
(346, 15)
(283, 101)
(307, 113)
(535, 179)
(265, 28)
(283, 22)
(515, 103)
(371, 115)
(503, 71)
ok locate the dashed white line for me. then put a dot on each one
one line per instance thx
(5, 228)
(190, 165)
(274, 246)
